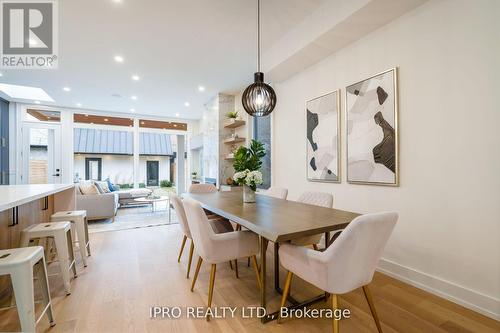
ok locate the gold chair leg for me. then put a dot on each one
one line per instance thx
(369, 299)
(211, 288)
(315, 247)
(231, 264)
(256, 268)
(248, 262)
(182, 248)
(335, 306)
(191, 249)
(196, 272)
(286, 289)
(236, 268)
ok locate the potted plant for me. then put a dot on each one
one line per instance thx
(247, 163)
(194, 174)
(232, 115)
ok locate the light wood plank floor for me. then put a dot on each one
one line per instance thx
(131, 270)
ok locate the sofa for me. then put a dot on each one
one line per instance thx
(127, 196)
(98, 206)
(104, 205)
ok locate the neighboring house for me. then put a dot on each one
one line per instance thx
(101, 154)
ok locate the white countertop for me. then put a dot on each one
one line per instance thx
(16, 195)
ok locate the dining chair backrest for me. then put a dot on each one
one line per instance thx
(354, 256)
(201, 231)
(202, 188)
(276, 192)
(181, 214)
(317, 199)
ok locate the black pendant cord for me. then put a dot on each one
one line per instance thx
(258, 35)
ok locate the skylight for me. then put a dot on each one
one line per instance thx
(25, 92)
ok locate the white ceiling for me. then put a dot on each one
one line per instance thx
(173, 45)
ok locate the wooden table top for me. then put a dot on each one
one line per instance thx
(275, 219)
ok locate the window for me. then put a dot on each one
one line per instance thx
(262, 133)
(93, 168)
(43, 116)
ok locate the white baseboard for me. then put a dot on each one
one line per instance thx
(470, 299)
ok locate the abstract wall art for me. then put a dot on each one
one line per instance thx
(372, 130)
(323, 138)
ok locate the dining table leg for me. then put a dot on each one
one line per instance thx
(263, 250)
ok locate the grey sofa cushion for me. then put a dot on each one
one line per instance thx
(133, 193)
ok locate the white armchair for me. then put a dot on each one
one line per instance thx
(217, 248)
(275, 192)
(349, 263)
(317, 199)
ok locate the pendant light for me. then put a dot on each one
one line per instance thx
(258, 99)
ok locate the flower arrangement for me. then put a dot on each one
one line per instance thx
(248, 178)
(247, 163)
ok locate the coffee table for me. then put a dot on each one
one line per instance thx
(152, 201)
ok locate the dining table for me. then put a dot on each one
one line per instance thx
(277, 221)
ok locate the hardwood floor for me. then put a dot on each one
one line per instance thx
(131, 270)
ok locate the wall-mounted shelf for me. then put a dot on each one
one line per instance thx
(234, 140)
(233, 123)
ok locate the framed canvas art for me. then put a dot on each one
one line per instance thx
(372, 130)
(323, 138)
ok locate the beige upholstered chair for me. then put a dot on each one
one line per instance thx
(202, 188)
(317, 199)
(217, 248)
(347, 264)
(275, 192)
(218, 224)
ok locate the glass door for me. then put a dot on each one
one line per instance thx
(41, 154)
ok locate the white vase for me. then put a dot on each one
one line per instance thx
(248, 194)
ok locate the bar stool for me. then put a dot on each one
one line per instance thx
(78, 219)
(19, 264)
(61, 233)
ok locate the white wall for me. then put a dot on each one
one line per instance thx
(119, 167)
(163, 173)
(448, 236)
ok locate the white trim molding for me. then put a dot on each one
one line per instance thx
(484, 304)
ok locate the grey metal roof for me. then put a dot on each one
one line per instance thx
(97, 141)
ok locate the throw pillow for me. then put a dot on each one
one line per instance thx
(104, 186)
(88, 188)
(110, 185)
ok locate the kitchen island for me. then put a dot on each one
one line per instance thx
(23, 205)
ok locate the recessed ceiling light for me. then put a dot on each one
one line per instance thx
(117, 1)
(177, 114)
(132, 110)
(86, 115)
(106, 119)
(79, 105)
(136, 77)
(201, 88)
(67, 89)
(142, 123)
(91, 123)
(119, 58)
(175, 125)
(133, 97)
(37, 102)
(187, 104)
